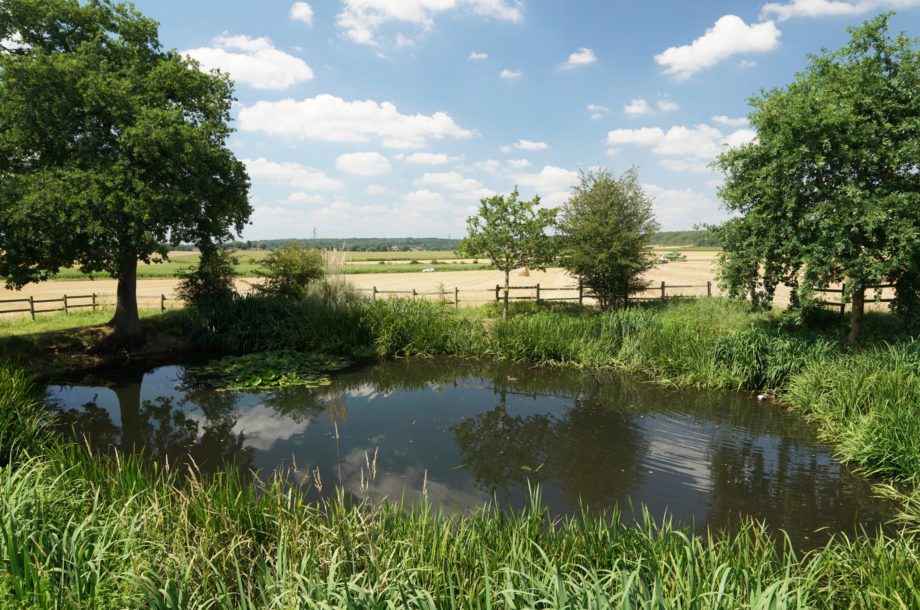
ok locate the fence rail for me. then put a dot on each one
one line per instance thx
(67, 302)
(842, 305)
(538, 293)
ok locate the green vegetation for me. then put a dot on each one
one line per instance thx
(289, 271)
(264, 370)
(373, 246)
(830, 161)
(606, 228)
(706, 240)
(135, 157)
(512, 234)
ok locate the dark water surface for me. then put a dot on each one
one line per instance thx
(470, 432)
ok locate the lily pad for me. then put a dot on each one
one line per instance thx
(268, 370)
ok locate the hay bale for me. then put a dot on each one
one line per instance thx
(525, 272)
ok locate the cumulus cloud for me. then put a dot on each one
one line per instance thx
(377, 189)
(510, 74)
(597, 111)
(252, 61)
(291, 174)
(581, 57)
(728, 121)
(829, 8)
(683, 165)
(303, 12)
(680, 209)
(363, 163)
(361, 20)
(523, 144)
(638, 107)
(700, 141)
(550, 179)
(454, 181)
(667, 105)
(424, 158)
(729, 36)
(476, 56)
(301, 197)
(425, 197)
(332, 119)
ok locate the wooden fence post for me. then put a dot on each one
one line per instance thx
(413, 294)
(581, 292)
(162, 302)
(456, 298)
(662, 289)
(32, 307)
(843, 306)
(496, 293)
(374, 294)
(708, 289)
(65, 304)
(538, 292)
(94, 301)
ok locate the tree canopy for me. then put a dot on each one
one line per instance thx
(830, 190)
(111, 147)
(512, 233)
(607, 226)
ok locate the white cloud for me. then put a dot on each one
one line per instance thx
(728, 121)
(377, 189)
(829, 8)
(729, 36)
(739, 138)
(682, 165)
(363, 163)
(424, 158)
(252, 61)
(476, 56)
(642, 136)
(680, 209)
(291, 174)
(638, 107)
(510, 74)
(425, 197)
(362, 19)
(301, 197)
(332, 119)
(505, 148)
(550, 179)
(597, 111)
(518, 163)
(747, 64)
(454, 181)
(303, 12)
(667, 105)
(523, 144)
(581, 57)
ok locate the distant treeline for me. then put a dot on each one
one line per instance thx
(685, 238)
(408, 244)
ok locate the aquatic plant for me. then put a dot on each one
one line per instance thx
(273, 369)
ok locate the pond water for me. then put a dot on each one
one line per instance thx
(465, 433)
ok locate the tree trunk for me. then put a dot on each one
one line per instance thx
(126, 323)
(129, 405)
(507, 285)
(856, 315)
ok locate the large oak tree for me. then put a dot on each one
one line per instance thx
(111, 147)
(830, 190)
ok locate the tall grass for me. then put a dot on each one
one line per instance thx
(102, 533)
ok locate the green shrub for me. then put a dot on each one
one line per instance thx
(211, 280)
(24, 419)
(287, 271)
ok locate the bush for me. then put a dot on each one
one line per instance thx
(289, 270)
(211, 279)
(23, 418)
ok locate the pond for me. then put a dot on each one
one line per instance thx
(465, 433)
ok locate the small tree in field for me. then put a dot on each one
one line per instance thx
(511, 233)
(111, 148)
(607, 227)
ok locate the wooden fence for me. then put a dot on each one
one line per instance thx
(68, 302)
(842, 305)
(538, 293)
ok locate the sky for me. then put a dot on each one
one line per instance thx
(392, 118)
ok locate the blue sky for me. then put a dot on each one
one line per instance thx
(375, 118)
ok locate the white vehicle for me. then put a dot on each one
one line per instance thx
(427, 269)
